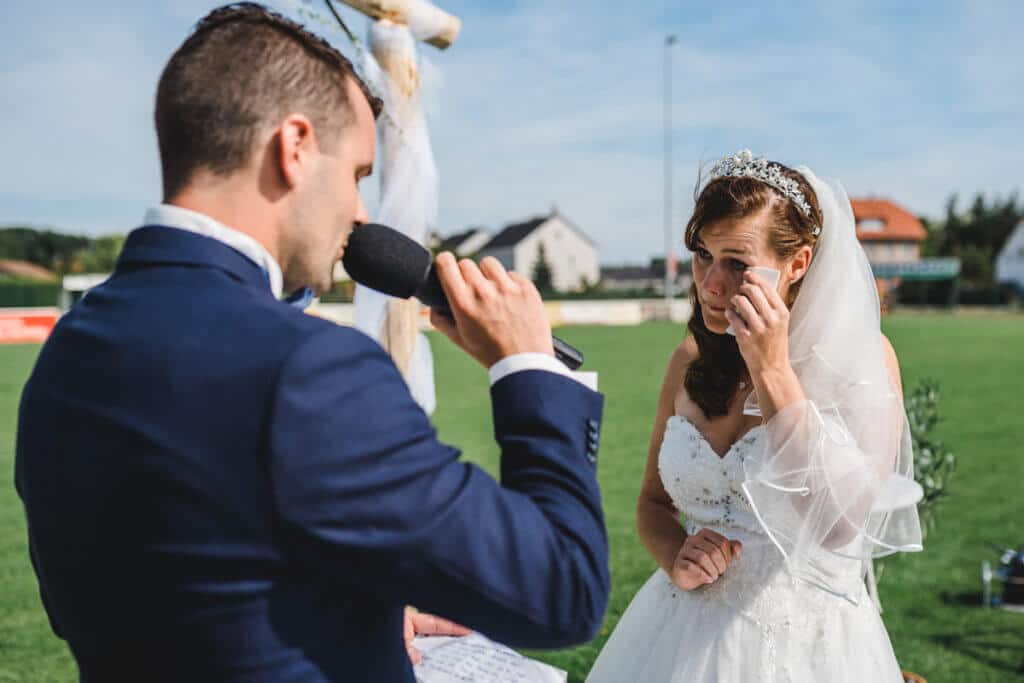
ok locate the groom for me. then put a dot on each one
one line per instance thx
(221, 488)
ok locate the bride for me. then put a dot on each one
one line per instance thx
(781, 438)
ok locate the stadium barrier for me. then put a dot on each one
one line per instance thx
(593, 312)
(27, 325)
(33, 325)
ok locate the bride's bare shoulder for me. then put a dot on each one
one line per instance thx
(892, 364)
(684, 354)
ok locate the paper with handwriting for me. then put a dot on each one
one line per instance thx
(476, 659)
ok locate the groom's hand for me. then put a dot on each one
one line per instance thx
(422, 624)
(703, 557)
(497, 313)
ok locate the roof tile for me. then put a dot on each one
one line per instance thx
(898, 224)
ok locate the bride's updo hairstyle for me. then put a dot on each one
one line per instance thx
(713, 378)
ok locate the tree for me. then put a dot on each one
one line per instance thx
(44, 248)
(542, 276)
(101, 255)
(975, 236)
(61, 253)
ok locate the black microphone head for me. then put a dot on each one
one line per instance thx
(384, 259)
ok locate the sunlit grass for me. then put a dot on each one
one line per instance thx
(930, 598)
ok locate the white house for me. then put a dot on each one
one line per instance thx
(572, 256)
(466, 243)
(1010, 261)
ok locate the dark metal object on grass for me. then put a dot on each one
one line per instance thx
(1011, 573)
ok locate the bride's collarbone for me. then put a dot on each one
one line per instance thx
(720, 432)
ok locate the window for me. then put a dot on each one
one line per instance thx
(871, 225)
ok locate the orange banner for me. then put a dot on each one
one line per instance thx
(26, 326)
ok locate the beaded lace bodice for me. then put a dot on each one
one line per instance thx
(707, 488)
(704, 485)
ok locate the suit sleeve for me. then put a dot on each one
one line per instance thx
(373, 504)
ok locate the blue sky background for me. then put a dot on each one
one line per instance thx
(544, 102)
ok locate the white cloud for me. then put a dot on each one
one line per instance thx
(541, 103)
(578, 121)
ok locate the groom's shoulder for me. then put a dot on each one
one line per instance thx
(323, 345)
(272, 333)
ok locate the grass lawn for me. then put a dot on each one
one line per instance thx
(930, 598)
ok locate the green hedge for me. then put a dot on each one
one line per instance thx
(28, 294)
(340, 293)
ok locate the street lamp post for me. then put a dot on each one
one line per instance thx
(670, 40)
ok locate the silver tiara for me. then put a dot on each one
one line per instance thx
(743, 164)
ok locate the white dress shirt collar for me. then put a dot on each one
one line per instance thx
(193, 221)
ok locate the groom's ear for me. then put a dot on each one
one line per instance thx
(799, 264)
(292, 149)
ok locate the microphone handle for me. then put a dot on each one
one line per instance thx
(570, 356)
(431, 293)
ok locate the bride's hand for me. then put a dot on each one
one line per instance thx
(702, 559)
(761, 321)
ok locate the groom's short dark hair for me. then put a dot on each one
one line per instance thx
(241, 71)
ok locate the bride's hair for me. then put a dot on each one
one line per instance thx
(713, 377)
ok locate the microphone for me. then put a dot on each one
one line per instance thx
(384, 259)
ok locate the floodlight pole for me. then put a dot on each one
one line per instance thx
(670, 40)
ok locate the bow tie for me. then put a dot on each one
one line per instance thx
(301, 298)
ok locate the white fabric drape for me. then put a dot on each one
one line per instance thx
(832, 483)
(408, 187)
(405, 162)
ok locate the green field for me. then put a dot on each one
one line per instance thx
(930, 598)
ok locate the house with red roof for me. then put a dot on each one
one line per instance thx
(888, 232)
(892, 239)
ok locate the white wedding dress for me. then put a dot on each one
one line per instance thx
(756, 622)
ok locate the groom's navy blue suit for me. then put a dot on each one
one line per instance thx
(221, 488)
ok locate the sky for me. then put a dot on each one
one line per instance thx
(544, 103)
